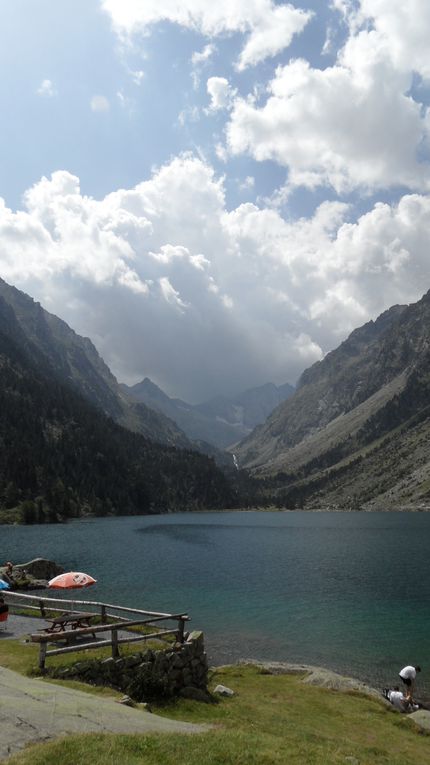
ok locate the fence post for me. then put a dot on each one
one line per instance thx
(115, 652)
(42, 656)
(42, 608)
(181, 626)
(103, 614)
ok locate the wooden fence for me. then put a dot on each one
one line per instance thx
(111, 622)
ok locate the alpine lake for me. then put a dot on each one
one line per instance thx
(348, 591)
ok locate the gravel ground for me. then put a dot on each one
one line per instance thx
(20, 626)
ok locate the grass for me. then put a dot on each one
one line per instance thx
(24, 658)
(271, 720)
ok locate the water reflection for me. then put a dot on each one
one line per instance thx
(194, 535)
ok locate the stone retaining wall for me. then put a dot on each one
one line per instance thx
(179, 670)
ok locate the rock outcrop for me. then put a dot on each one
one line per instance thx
(35, 574)
(356, 433)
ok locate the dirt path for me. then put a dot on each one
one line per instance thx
(32, 711)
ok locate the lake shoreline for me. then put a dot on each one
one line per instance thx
(404, 509)
(314, 675)
(309, 587)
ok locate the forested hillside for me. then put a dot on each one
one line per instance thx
(75, 361)
(60, 457)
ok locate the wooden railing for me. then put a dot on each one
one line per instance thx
(111, 623)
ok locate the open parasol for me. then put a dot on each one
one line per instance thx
(72, 580)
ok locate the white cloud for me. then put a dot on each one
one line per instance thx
(221, 93)
(247, 184)
(137, 75)
(46, 89)
(403, 26)
(173, 285)
(171, 295)
(269, 28)
(200, 58)
(99, 104)
(348, 126)
(272, 34)
(358, 124)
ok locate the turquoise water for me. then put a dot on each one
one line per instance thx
(347, 591)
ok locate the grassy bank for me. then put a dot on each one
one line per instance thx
(271, 720)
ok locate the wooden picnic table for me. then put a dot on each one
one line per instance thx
(74, 619)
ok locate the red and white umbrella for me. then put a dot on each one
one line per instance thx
(72, 580)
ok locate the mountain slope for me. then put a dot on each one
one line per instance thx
(60, 456)
(338, 439)
(75, 361)
(222, 421)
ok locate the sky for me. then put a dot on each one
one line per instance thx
(216, 194)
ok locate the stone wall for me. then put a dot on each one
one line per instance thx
(178, 670)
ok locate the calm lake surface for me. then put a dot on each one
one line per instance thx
(347, 591)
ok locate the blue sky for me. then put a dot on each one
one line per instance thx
(216, 194)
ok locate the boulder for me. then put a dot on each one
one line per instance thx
(127, 701)
(223, 690)
(40, 568)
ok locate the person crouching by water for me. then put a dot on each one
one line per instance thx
(4, 610)
(408, 675)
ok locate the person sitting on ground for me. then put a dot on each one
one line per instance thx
(408, 676)
(399, 700)
(8, 574)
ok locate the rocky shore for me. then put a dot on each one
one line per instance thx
(33, 575)
(326, 678)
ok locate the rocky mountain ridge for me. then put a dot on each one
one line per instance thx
(221, 421)
(76, 361)
(337, 440)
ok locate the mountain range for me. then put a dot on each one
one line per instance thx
(221, 421)
(72, 443)
(356, 433)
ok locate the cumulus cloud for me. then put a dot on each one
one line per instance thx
(171, 284)
(220, 92)
(358, 124)
(269, 27)
(404, 28)
(348, 126)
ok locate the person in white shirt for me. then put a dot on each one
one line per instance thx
(408, 676)
(398, 700)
